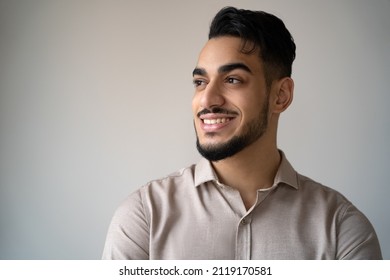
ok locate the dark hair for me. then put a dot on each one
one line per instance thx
(262, 32)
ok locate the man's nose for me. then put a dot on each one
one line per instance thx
(212, 96)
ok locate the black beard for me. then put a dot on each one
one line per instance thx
(252, 132)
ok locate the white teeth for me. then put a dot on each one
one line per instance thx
(215, 121)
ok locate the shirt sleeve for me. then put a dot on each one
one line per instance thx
(357, 239)
(128, 233)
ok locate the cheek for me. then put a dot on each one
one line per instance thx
(246, 104)
(194, 105)
(252, 108)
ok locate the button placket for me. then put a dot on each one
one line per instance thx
(246, 220)
(243, 245)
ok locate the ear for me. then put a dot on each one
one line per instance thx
(283, 95)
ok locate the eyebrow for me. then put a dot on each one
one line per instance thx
(223, 69)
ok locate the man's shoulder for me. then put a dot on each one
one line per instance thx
(160, 188)
(306, 187)
(178, 180)
(181, 176)
(315, 191)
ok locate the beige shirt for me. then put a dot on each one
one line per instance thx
(190, 215)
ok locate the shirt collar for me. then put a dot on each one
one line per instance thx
(286, 174)
(204, 172)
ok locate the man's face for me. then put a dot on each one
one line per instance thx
(230, 104)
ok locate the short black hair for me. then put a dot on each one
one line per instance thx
(264, 33)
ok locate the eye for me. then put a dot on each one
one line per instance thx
(231, 80)
(198, 83)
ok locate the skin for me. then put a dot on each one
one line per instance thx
(229, 79)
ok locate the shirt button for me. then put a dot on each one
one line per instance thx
(243, 222)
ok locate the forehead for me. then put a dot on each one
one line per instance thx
(226, 50)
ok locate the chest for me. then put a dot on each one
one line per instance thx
(219, 227)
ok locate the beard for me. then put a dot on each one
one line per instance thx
(252, 131)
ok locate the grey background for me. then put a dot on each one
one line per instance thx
(95, 100)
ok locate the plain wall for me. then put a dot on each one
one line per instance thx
(95, 101)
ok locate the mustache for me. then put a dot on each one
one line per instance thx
(216, 110)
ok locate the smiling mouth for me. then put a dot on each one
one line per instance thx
(216, 121)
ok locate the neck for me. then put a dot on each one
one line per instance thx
(251, 169)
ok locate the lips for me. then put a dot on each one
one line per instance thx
(215, 122)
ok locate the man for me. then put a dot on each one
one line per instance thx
(243, 200)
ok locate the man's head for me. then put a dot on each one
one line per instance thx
(262, 33)
(241, 82)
